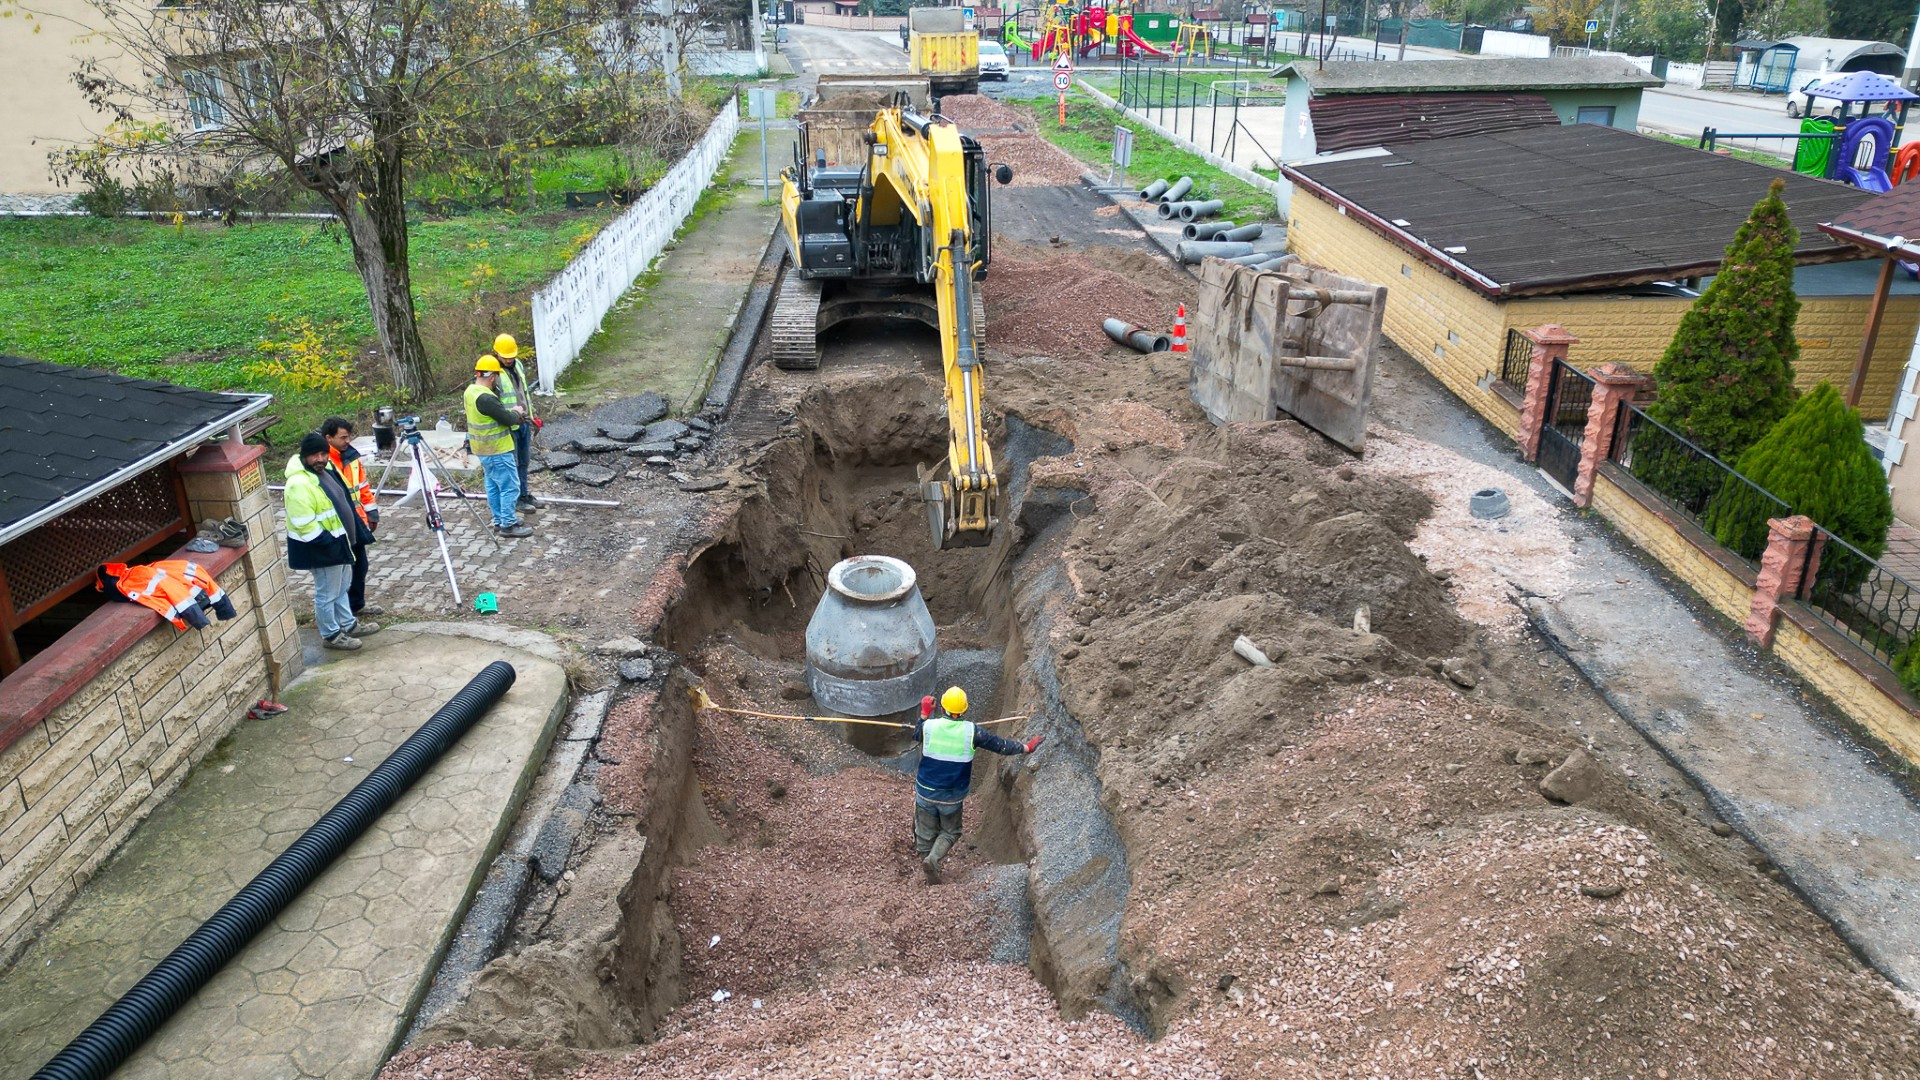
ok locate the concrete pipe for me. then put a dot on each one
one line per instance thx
(1154, 190)
(1254, 259)
(1276, 262)
(1244, 232)
(1192, 251)
(1194, 211)
(1205, 230)
(1169, 210)
(1135, 338)
(1178, 191)
(870, 643)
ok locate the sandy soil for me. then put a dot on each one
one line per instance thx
(1342, 864)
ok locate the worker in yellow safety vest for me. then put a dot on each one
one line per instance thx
(321, 531)
(490, 427)
(515, 395)
(351, 468)
(940, 786)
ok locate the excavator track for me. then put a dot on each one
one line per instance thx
(794, 327)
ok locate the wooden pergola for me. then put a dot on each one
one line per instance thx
(1889, 226)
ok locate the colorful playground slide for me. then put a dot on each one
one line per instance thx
(1127, 34)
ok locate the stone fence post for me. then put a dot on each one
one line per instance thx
(1550, 343)
(1614, 387)
(1785, 568)
(226, 480)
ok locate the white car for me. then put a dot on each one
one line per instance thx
(993, 61)
(1799, 105)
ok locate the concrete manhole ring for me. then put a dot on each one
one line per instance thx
(1488, 503)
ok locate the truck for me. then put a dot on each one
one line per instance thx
(843, 108)
(944, 50)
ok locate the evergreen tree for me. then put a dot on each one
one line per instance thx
(1816, 460)
(1727, 376)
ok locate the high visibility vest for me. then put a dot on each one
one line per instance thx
(513, 387)
(309, 512)
(943, 738)
(486, 435)
(353, 474)
(168, 587)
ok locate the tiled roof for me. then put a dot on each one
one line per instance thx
(1555, 209)
(65, 429)
(1895, 214)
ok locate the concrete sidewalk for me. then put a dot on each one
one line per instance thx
(665, 333)
(328, 988)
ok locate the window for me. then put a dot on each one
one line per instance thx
(251, 84)
(203, 99)
(1595, 114)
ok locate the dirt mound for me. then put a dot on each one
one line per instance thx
(1051, 303)
(1006, 135)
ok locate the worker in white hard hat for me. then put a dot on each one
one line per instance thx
(947, 743)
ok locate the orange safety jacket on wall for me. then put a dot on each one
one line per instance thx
(175, 588)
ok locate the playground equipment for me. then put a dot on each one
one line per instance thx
(1856, 148)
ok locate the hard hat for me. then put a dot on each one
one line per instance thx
(487, 363)
(505, 347)
(954, 701)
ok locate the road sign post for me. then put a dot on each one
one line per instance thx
(1593, 27)
(1063, 82)
(761, 105)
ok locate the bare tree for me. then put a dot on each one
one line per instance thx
(338, 93)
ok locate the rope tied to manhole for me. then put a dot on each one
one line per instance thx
(702, 701)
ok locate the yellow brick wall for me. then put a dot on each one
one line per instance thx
(1453, 331)
(1888, 719)
(1728, 594)
(1635, 331)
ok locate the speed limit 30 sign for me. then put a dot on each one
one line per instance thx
(1062, 81)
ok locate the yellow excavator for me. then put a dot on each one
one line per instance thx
(901, 230)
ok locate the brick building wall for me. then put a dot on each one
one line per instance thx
(74, 785)
(1729, 594)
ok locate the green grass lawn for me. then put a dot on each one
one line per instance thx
(1758, 157)
(192, 305)
(1089, 137)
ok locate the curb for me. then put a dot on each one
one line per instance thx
(746, 325)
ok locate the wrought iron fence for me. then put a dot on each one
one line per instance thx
(1227, 108)
(1851, 591)
(1698, 486)
(1518, 360)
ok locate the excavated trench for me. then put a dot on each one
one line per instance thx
(837, 481)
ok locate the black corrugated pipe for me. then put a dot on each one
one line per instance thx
(128, 1022)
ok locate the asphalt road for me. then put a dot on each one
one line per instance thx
(819, 51)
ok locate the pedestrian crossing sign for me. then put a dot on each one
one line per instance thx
(1593, 26)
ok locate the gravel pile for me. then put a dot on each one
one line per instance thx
(1007, 137)
(1488, 563)
(1051, 304)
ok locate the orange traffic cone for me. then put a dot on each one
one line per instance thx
(1180, 330)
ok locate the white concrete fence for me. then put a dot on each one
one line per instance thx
(568, 310)
(1508, 43)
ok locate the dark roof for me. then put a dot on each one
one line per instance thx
(1428, 76)
(1862, 86)
(1352, 121)
(1579, 207)
(68, 431)
(1881, 220)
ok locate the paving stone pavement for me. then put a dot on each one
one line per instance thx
(330, 985)
(405, 573)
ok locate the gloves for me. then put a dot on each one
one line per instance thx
(1034, 743)
(926, 706)
(538, 423)
(373, 517)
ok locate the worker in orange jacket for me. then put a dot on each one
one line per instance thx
(351, 468)
(179, 590)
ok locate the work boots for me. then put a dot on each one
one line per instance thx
(930, 866)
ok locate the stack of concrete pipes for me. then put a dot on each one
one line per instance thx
(1174, 202)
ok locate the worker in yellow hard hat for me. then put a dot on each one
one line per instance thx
(947, 743)
(490, 428)
(514, 395)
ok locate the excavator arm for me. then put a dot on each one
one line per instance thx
(917, 168)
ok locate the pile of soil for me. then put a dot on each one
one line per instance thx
(1051, 303)
(1007, 137)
